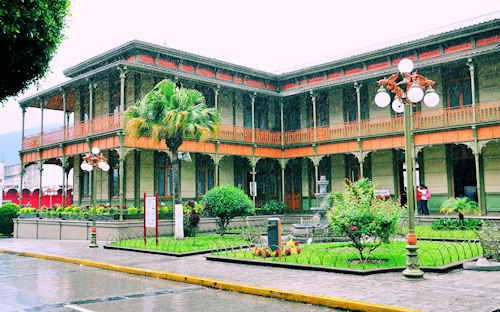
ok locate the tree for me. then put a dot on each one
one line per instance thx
(225, 203)
(170, 113)
(30, 32)
(367, 220)
(461, 205)
(7, 213)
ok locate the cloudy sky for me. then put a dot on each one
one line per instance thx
(266, 35)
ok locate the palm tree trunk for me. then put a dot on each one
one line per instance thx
(175, 178)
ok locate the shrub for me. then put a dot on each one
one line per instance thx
(273, 207)
(132, 211)
(7, 213)
(362, 217)
(453, 224)
(225, 203)
(192, 211)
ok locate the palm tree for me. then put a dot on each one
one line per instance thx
(460, 205)
(172, 114)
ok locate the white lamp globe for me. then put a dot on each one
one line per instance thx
(83, 167)
(431, 97)
(105, 167)
(101, 165)
(397, 106)
(95, 150)
(382, 99)
(405, 65)
(415, 94)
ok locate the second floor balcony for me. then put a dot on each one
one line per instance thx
(432, 120)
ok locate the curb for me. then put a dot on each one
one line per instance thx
(242, 288)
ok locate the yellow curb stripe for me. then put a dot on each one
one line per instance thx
(242, 288)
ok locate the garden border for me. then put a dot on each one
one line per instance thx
(170, 253)
(312, 267)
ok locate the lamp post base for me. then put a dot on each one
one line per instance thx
(412, 270)
(93, 241)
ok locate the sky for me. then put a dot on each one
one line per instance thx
(265, 35)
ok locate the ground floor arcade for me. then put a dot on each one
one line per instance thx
(447, 170)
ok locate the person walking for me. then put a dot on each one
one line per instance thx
(426, 195)
(420, 190)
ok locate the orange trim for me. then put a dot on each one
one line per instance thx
(336, 148)
(147, 59)
(130, 58)
(166, 63)
(271, 87)
(302, 83)
(383, 143)
(255, 83)
(288, 86)
(353, 71)
(193, 146)
(51, 153)
(106, 143)
(488, 133)
(299, 152)
(225, 76)
(268, 152)
(78, 148)
(316, 79)
(206, 72)
(458, 47)
(444, 137)
(30, 157)
(488, 40)
(377, 65)
(144, 143)
(238, 79)
(396, 61)
(187, 68)
(428, 54)
(334, 75)
(230, 149)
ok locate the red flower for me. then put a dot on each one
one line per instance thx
(354, 228)
(268, 253)
(298, 250)
(259, 252)
(278, 253)
(296, 243)
(288, 252)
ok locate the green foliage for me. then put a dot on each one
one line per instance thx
(460, 205)
(30, 32)
(225, 203)
(132, 211)
(273, 207)
(170, 113)
(360, 215)
(7, 213)
(453, 224)
(28, 210)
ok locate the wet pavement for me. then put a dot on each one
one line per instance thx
(32, 284)
(459, 290)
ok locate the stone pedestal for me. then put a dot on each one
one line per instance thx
(179, 222)
(412, 270)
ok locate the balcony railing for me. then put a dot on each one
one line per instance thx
(434, 119)
(100, 124)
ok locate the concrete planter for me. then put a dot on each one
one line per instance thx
(110, 230)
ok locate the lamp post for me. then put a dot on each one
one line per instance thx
(408, 89)
(50, 192)
(93, 161)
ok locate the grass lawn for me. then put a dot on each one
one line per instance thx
(387, 255)
(427, 231)
(188, 244)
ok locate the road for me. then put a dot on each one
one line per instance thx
(31, 284)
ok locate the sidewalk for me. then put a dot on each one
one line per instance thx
(459, 290)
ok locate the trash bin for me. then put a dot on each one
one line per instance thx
(274, 233)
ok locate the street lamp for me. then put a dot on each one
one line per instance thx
(50, 192)
(93, 161)
(408, 89)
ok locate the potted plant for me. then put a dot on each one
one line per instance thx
(461, 205)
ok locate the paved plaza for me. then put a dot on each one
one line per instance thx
(459, 290)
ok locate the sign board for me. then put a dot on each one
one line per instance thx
(253, 188)
(383, 193)
(150, 211)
